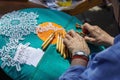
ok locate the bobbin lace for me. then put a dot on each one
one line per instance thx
(14, 26)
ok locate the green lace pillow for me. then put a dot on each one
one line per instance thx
(18, 28)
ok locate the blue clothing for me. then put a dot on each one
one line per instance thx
(103, 66)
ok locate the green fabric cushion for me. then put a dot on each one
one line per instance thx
(52, 65)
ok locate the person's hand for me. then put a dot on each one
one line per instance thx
(97, 35)
(74, 43)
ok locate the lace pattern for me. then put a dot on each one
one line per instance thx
(14, 26)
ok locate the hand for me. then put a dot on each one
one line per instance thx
(74, 43)
(97, 35)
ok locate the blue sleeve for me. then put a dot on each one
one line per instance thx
(104, 66)
(73, 73)
(117, 39)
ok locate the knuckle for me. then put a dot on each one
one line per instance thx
(85, 23)
(96, 27)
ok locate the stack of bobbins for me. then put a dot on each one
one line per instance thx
(48, 40)
(60, 47)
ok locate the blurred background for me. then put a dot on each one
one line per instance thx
(99, 14)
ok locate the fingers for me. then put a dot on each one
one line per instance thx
(94, 31)
(89, 39)
(72, 33)
(87, 28)
(78, 36)
(68, 36)
(66, 42)
(74, 42)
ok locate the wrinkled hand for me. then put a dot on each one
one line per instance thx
(97, 35)
(74, 43)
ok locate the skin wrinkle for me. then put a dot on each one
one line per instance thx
(76, 43)
(97, 36)
(71, 39)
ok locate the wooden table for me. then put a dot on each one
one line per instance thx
(84, 6)
(10, 5)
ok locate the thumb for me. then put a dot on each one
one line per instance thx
(87, 28)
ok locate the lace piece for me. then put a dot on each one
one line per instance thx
(50, 26)
(15, 25)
